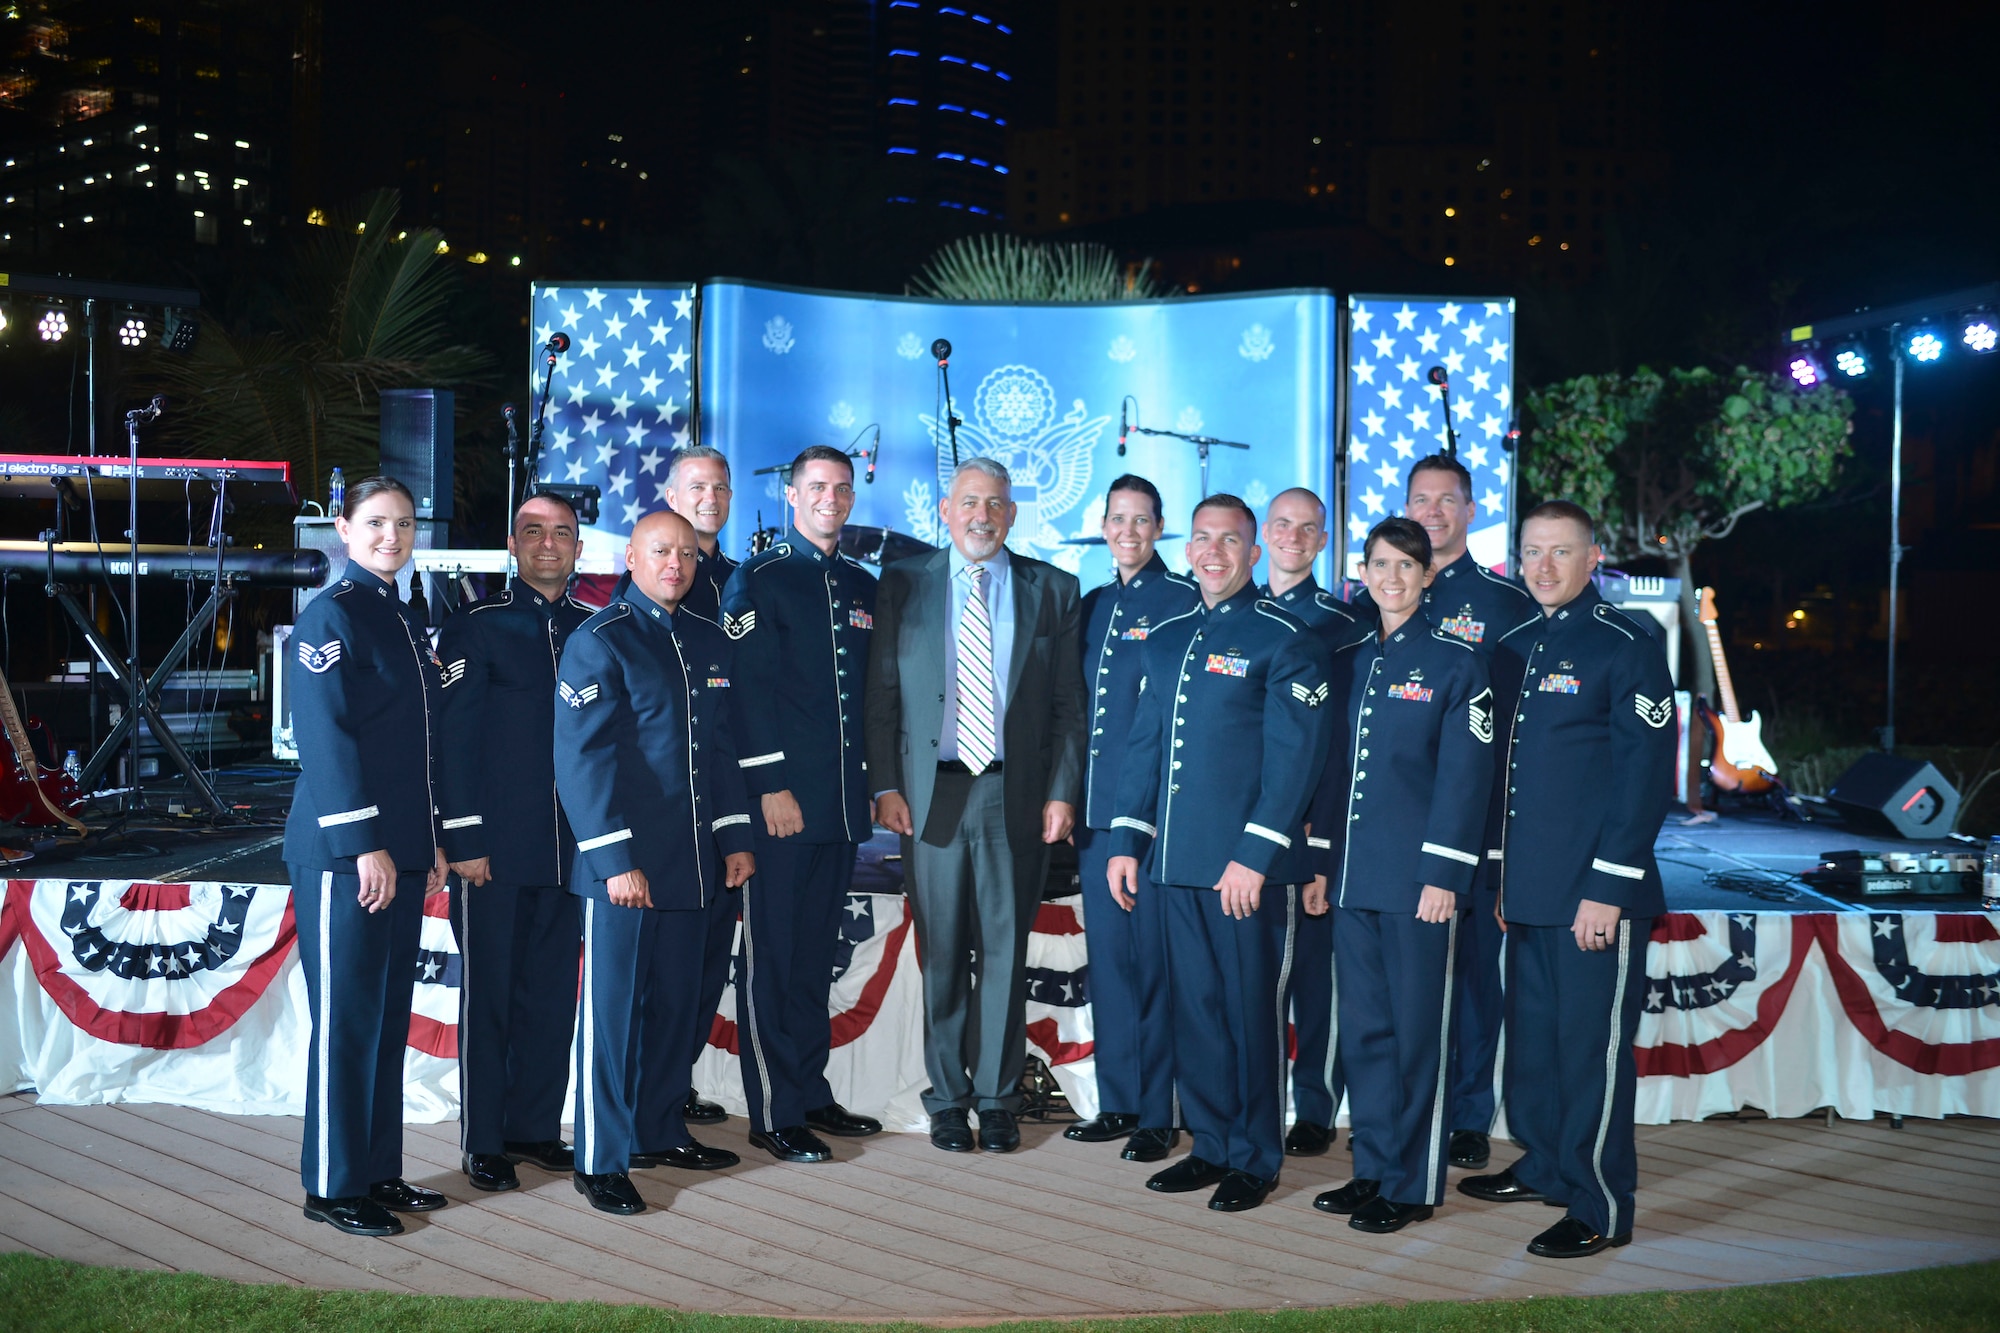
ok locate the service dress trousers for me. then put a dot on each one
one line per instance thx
(792, 910)
(1131, 1004)
(518, 949)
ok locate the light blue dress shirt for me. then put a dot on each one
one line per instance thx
(1000, 610)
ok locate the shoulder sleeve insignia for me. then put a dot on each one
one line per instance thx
(1311, 698)
(1480, 716)
(737, 627)
(319, 660)
(1651, 713)
(453, 672)
(575, 698)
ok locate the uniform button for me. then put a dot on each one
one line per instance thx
(1177, 764)
(1180, 722)
(1513, 791)
(1371, 691)
(1364, 731)
(843, 698)
(1104, 671)
(1514, 765)
(840, 652)
(1520, 717)
(1364, 754)
(1178, 742)
(1353, 817)
(1180, 698)
(1365, 710)
(1100, 712)
(1102, 690)
(1361, 776)
(1107, 652)
(1186, 676)
(1093, 754)
(1098, 732)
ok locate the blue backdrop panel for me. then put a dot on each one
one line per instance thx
(1037, 386)
(621, 401)
(1393, 415)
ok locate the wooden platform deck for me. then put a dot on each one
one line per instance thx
(895, 1229)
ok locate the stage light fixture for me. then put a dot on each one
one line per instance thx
(1851, 360)
(180, 330)
(132, 329)
(1980, 331)
(1924, 344)
(1805, 369)
(53, 325)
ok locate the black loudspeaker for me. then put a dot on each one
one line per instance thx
(416, 446)
(1896, 797)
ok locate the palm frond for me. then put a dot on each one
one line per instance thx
(1004, 267)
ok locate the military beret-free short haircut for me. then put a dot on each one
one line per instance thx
(1443, 463)
(1406, 535)
(822, 453)
(1568, 509)
(1139, 486)
(1224, 500)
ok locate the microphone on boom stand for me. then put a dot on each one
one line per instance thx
(941, 349)
(873, 454)
(1124, 427)
(1443, 383)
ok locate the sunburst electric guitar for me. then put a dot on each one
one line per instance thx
(1741, 762)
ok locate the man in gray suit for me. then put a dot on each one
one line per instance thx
(975, 726)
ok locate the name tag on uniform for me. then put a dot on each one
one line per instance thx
(1559, 684)
(1138, 632)
(1416, 694)
(718, 682)
(1222, 664)
(859, 619)
(1464, 627)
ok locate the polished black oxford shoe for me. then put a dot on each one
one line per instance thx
(402, 1197)
(1305, 1139)
(1470, 1149)
(1572, 1239)
(837, 1120)
(793, 1143)
(1501, 1188)
(490, 1171)
(690, 1156)
(998, 1131)
(1382, 1216)
(611, 1192)
(1189, 1174)
(1349, 1197)
(1239, 1192)
(357, 1216)
(951, 1131)
(1102, 1128)
(548, 1154)
(1150, 1145)
(695, 1111)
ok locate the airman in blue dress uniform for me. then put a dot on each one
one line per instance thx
(1294, 535)
(361, 844)
(800, 614)
(1583, 775)
(646, 765)
(1403, 806)
(1226, 749)
(510, 846)
(1131, 1021)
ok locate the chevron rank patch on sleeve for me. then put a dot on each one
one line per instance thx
(1480, 716)
(1651, 713)
(1311, 698)
(453, 672)
(319, 660)
(575, 698)
(738, 626)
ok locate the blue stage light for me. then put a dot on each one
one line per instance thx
(1804, 368)
(1980, 332)
(1923, 344)
(1851, 360)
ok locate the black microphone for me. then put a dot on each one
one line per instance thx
(1437, 376)
(1121, 427)
(507, 411)
(558, 342)
(873, 454)
(941, 350)
(151, 411)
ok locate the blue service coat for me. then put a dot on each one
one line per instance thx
(1585, 764)
(1329, 617)
(645, 752)
(363, 689)
(496, 765)
(801, 621)
(1229, 739)
(1469, 602)
(1117, 619)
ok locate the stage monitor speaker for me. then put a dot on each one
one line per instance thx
(416, 446)
(1896, 797)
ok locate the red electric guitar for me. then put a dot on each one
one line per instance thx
(1741, 762)
(29, 796)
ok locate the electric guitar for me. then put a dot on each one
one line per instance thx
(28, 796)
(1741, 761)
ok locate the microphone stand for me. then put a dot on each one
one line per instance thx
(1202, 444)
(951, 417)
(513, 452)
(549, 356)
(1443, 383)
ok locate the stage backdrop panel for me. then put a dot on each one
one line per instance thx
(1037, 386)
(1394, 416)
(622, 398)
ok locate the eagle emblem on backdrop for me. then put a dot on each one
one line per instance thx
(1014, 422)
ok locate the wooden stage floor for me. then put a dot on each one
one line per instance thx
(895, 1229)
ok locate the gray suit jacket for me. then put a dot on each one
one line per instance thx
(1044, 728)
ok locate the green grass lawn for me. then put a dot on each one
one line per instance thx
(37, 1294)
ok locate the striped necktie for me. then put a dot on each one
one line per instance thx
(977, 743)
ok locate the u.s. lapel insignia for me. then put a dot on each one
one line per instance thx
(319, 660)
(1652, 713)
(575, 698)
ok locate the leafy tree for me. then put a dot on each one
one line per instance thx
(1667, 462)
(367, 309)
(1004, 267)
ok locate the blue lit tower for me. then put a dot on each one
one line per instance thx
(948, 92)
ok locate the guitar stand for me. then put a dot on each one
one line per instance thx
(147, 695)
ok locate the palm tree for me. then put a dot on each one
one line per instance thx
(367, 310)
(1003, 267)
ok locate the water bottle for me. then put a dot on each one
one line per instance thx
(336, 492)
(1990, 891)
(73, 766)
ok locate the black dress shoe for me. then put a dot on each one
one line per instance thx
(1349, 1197)
(793, 1143)
(1239, 1192)
(1571, 1239)
(548, 1154)
(359, 1216)
(1382, 1216)
(1189, 1174)
(1305, 1139)
(1502, 1188)
(951, 1131)
(837, 1120)
(1150, 1145)
(402, 1197)
(695, 1111)
(611, 1192)
(1102, 1128)
(1470, 1149)
(490, 1171)
(690, 1156)
(998, 1132)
